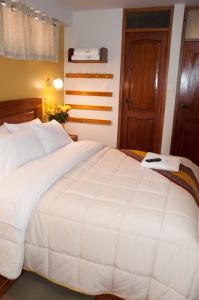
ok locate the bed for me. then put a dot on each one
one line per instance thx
(88, 217)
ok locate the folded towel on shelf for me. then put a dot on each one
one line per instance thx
(167, 163)
(84, 51)
(85, 57)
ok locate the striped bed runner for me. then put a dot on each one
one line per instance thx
(184, 178)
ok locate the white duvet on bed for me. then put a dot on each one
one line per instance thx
(107, 225)
(20, 192)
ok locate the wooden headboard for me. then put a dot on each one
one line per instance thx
(21, 110)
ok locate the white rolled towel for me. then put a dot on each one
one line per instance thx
(85, 51)
(85, 57)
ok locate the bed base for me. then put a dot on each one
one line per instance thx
(107, 297)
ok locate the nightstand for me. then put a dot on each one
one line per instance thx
(74, 137)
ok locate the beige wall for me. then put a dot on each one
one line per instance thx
(24, 79)
(172, 77)
(96, 28)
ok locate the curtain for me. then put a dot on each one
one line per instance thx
(27, 34)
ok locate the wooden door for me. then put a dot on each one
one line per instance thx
(186, 132)
(143, 90)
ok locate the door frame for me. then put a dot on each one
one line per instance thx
(187, 9)
(169, 29)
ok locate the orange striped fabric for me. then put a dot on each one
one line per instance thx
(184, 178)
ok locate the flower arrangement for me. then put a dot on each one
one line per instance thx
(58, 113)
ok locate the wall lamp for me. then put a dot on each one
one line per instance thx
(56, 83)
(3, 2)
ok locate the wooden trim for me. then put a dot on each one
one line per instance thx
(5, 284)
(147, 9)
(91, 107)
(121, 80)
(89, 93)
(192, 40)
(107, 297)
(89, 121)
(89, 75)
(147, 29)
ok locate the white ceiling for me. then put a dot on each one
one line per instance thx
(108, 4)
(54, 8)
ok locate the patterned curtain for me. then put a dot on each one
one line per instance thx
(26, 33)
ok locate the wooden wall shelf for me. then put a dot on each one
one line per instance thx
(89, 93)
(103, 57)
(91, 107)
(89, 75)
(89, 121)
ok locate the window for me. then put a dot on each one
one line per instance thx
(148, 19)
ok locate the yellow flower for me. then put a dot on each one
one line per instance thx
(58, 110)
(65, 108)
(50, 111)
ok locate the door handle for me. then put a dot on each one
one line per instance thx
(184, 106)
(126, 100)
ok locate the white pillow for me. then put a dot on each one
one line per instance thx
(51, 135)
(3, 130)
(17, 149)
(20, 126)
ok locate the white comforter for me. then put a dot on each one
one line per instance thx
(19, 194)
(107, 225)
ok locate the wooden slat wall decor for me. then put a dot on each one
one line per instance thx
(89, 75)
(91, 107)
(89, 121)
(88, 93)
